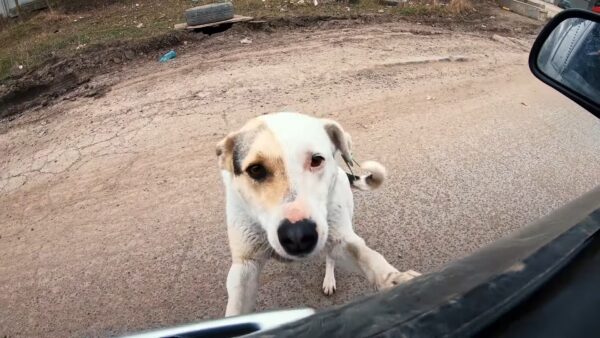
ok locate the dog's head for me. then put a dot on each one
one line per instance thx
(283, 167)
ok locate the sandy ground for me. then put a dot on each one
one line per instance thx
(111, 209)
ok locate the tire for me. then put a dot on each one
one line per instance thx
(209, 13)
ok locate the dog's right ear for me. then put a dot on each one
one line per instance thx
(224, 152)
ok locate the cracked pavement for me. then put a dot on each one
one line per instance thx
(111, 209)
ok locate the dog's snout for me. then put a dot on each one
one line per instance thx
(298, 238)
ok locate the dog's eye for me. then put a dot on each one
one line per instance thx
(257, 172)
(316, 161)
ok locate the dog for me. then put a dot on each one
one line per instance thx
(287, 198)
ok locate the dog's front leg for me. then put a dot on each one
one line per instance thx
(373, 265)
(242, 286)
(329, 280)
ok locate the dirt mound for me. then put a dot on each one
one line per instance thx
(57, 77)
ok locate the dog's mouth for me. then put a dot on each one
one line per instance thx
(287, 258)
(280, 258)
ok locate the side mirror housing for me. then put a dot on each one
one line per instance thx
(566, 56)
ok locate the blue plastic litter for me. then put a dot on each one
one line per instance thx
(170, 55)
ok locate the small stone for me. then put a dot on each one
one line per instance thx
(129, 54)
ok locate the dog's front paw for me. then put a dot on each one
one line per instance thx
(329, 285)
(394, 278)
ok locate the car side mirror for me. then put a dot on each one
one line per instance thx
(566, 56)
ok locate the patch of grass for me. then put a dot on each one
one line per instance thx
(460, 6)
(32, 41)
(338, 9)
(43, 35)
(5, 65)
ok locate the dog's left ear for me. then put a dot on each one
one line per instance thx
(340, 139)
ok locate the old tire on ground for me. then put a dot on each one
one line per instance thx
(209, 13)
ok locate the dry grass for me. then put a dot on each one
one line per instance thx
(45, 34)
(28, 43)
(460, 6)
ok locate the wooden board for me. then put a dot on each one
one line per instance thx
(180, 26)
(236, 18)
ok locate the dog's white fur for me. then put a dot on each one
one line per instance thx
(256, 210)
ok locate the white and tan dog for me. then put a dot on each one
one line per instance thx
(287, 198)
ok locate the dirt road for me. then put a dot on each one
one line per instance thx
(112, 217)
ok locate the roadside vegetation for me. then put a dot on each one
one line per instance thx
(71, 26)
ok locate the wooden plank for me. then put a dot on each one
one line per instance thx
(180, 26)
(236, 18)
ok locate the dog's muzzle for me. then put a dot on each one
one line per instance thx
(299, 238)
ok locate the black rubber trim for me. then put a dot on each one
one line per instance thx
(537, 46)
(566, 306)
(467, 295)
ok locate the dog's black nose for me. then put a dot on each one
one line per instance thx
(298, 238)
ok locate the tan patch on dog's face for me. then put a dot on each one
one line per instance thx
(264, 151)
(255, 145)
(236, 144)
